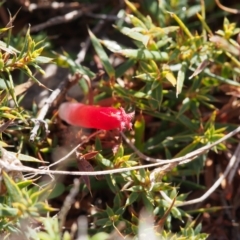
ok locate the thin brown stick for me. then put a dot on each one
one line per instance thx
(68, 202)
(74, 149)
(52, 5)
(158, 162)
(57, 20)
(68, 17)
(227, 9)
(81, 55)
(82, 228)
(61, 90)
(230, 165)
(234, 169)
(185, 158)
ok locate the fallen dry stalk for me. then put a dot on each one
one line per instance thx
(165, 163)
(158, 162)
(234, 159)
(61, 90)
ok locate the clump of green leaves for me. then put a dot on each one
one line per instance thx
(19, 202)
(12, 59)
(172, 83)
(163, 57)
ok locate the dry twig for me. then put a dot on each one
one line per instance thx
(61, 90)
(235, 158)
(74, 149)
(53, 5)
(158, 162)
(234, 168)
(82, 228)
(68, 17)
(227, 9)
(68, 202)
(188, 157)
(81, 55)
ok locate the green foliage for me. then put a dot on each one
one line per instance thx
(163, 57)
(21, 204)
(167, 77)
(18, 202)
(12, 59)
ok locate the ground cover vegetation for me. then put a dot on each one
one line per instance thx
(152, 151)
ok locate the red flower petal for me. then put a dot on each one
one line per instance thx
(88, 116)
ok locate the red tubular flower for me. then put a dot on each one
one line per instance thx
(105, 118)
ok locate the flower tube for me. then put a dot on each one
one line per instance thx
(88, 116)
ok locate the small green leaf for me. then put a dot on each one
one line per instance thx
(42, 207)
(190, 147)
(117, 201)
(147, 202)
(112, 183)
(104, 222)
(98, 146)
(111, 45)
(24, 183)
(163, 42)
(149, 66)
(221, 79)
(181, 78)
(28, 72)
(4, 83)
(156, 95)
(58, 190)
(143, 54)
(131, 198)
(147, 21)
(186, 103)
(100, 236)
(134, 34)
(42, 194)
(27, 158)
(66, 236)
(6, 211)
(120, 211)
(137, 22)
(12, 188)
(65, 61)
(176, 213)
(136, 188)
(102, 54)
(119, 153)
(181, 24)
(167, 73)
(124, 67)
(42, 59)
(110, 212)
(188, 122)
(162, 32)
(139, 129)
